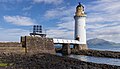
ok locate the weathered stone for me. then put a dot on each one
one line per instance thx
(49, 61)
(11, 47)
(80, 47)
(10, 44)
(29, 45)
(66, 49)
(97, 53)
(34, 44)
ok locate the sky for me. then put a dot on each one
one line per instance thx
(57, 18)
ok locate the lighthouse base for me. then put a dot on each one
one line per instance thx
(66, 49)
(80, 47)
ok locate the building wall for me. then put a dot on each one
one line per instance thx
(10, 44)
(35, 44)
(29, 45)
(80, 29)
(11, 47)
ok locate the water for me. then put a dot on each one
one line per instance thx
(60, 46)
(101, 60)
(110, 61)
(117, 49)
(107, 49)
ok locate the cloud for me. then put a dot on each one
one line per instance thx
(60, 33)
(111, 33)
(0, 28)
(27, 8)
(102, 20)
(48, 1)
(60, 12)
(19, 20)
(62, 30)
(104, 11)
(12, 34)
(65, 23)
(11, 1)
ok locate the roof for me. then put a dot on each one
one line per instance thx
(80, 5)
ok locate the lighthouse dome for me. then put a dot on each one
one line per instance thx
(80, 10)
(80, 5)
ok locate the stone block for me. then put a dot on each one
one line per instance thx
(34, 44)
(81, 47)
(66, 49)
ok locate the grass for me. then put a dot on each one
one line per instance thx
(3, 64)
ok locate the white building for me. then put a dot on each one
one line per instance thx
(80, 26)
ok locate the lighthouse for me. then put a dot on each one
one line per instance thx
(80, 27)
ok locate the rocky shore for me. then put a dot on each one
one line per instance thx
(48, 61)
(96, 53)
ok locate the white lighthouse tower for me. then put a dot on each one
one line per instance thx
(80, 27)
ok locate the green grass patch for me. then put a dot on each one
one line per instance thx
(3, 64)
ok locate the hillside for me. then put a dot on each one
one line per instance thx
(101, 43)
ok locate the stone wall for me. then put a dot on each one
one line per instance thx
(29, 44)
(11, 47)
(66, 49)
(81, 47)
(10, 44)
(34, 44)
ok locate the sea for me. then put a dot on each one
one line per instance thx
(100, 60)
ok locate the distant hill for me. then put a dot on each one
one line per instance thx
(101, 43)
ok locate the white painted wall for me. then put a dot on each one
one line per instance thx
(80, 28)
(63, 41)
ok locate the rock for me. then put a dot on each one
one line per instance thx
(49, 61)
